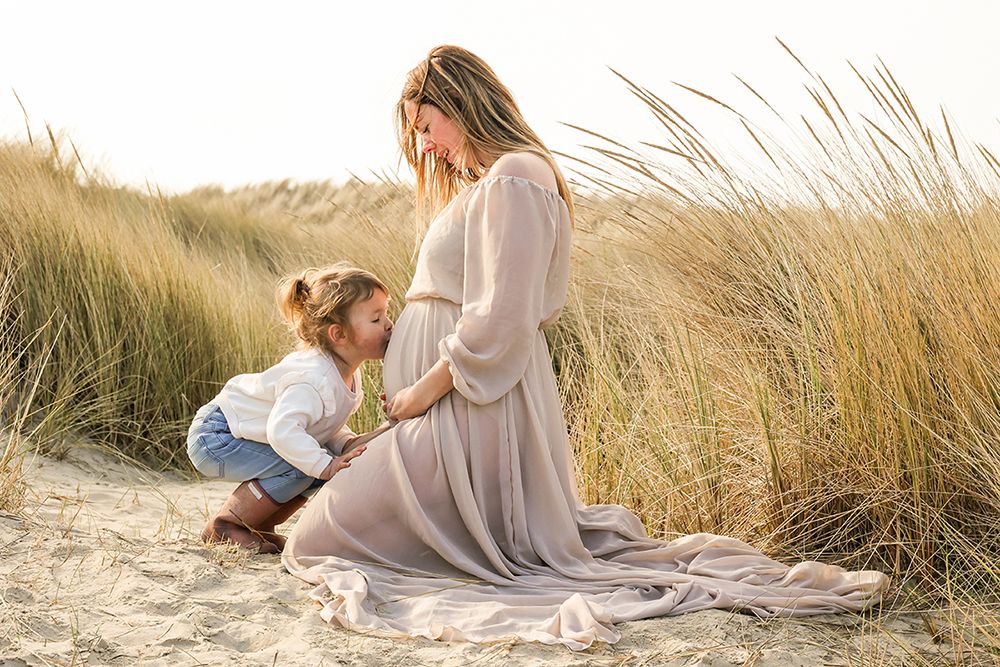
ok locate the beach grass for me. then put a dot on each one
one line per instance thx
(801, 351)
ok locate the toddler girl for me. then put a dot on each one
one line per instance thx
(284, 431)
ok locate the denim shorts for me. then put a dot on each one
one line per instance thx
(216, 452)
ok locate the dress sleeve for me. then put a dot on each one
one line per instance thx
(509, 240)
(295, 408)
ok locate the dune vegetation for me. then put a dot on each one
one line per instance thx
(804, 355)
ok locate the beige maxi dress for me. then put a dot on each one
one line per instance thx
(464, 523)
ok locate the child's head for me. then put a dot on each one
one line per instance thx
(339, 309)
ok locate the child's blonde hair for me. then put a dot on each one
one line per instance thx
(314, 299)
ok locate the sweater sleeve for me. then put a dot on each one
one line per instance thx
(296, 407)
(509, 240)
(339, 440)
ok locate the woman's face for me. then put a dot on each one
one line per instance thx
(438, 133)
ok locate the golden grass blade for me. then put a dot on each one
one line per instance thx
(886, 136)
(991, 160)
(759, 96)
(27, 124)
(672, 151)
(792, 54)
(709, 98)
(826, 110)
(54, 144)
(902, 94)
(816, 138)
(867, 84)
(581, 161)
(951, 139)
(890, 87)
(595, 134)
(79, 160)
(760, 144)
(834, 98)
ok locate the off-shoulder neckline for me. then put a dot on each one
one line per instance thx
(515, 179)
(461, 194)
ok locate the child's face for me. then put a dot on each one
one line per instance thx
(369, 326)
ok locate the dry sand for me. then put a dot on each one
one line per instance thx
(103, 567)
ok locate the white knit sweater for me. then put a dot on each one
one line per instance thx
(299, 407)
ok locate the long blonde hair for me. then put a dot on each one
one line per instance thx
(466, 90)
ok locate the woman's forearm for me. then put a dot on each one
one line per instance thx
(434, 384)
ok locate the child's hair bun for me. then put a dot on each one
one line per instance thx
(301, 289)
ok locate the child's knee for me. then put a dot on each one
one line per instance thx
(283, 488)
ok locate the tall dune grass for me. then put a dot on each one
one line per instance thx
(145, 304)
(826, 344)
(804, 354)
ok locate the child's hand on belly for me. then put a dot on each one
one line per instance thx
(340, 462)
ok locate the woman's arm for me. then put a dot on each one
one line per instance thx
(417, 399)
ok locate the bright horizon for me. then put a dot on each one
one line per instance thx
(234, 93)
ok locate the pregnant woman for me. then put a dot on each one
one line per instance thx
(462, 521)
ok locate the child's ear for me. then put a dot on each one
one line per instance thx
(336, 334)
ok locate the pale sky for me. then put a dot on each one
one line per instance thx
(183, 93)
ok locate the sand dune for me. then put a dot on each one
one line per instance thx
(103, 567)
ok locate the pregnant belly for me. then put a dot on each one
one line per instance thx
(413, 348)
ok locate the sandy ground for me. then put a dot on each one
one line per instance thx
(103, 567)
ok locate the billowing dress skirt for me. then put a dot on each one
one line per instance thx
(464, 523)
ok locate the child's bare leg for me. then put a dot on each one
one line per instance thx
(241, 519)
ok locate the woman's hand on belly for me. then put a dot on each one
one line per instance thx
(417, 399)
(406, 404)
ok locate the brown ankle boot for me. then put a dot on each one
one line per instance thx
(241, 519)
(280, 516)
